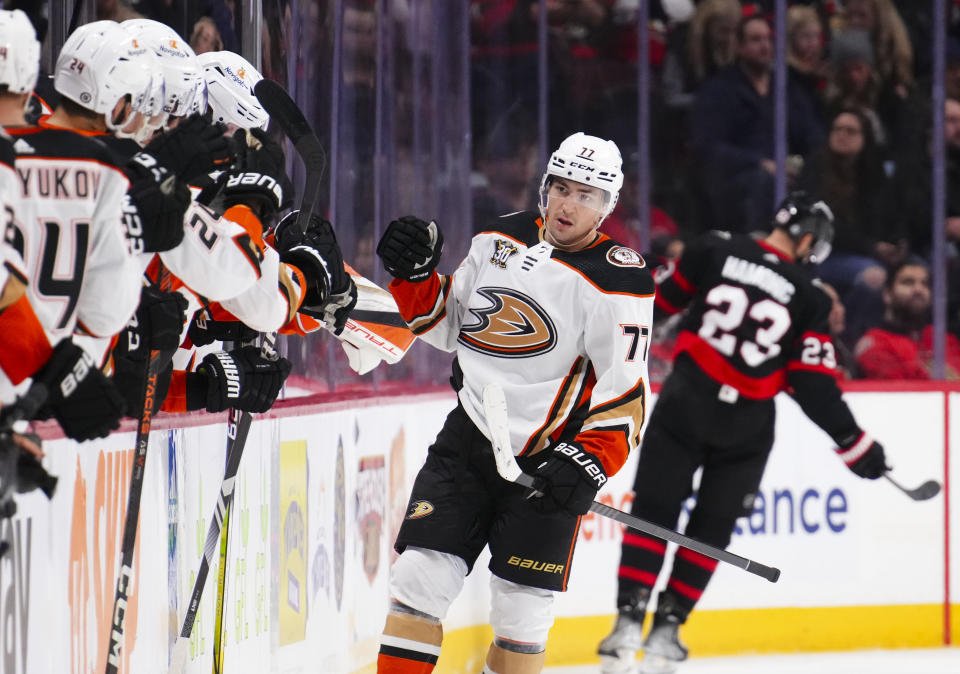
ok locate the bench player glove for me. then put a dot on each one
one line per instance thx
(193, 148)
(569, 478)
(258, 152)
(410, 248)
(157, 324)
(864, 456)
(84, 402)
(205, 331)
(336, 310)
(154, 206)
(315, 253)
(242, 379)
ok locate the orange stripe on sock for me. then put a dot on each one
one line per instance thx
(388, 664)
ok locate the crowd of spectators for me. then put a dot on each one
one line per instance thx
(858, 92)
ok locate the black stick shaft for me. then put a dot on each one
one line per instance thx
(768, 572)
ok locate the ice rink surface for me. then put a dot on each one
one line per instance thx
(933, 661)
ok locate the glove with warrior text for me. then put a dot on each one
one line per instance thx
(569, 478)
(242, 379)
(192, 149)
(84, 402)
(204, 330)
(410, 248)
(864, 456)
(154, 206)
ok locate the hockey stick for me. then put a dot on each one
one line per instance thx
(495, 412)
(925, 491)
(236, 440)
(132, 519)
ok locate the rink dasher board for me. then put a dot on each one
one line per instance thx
(322, 489)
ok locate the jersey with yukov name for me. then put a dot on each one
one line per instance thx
(564, 333)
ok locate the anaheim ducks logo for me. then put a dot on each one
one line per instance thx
(622, 256)
(419, 509)
(513, 326)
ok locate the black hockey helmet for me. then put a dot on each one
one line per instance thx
(798, 215)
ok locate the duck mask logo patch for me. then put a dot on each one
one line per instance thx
(512, 326)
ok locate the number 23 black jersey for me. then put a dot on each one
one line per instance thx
(753, 317)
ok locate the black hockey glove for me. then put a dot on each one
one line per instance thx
(84, 402)
(569, 478)
(315, 253)
(336, 310)
(241, 378)
(411, 248)
(864, 456)
(154, 206)
(260, 191)
(157, 324)
(193, 148)
(205, 331)
(259, 152)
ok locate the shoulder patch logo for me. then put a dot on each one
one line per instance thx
(419, 509)
(504, 249)
(621, 256)
(513, 326)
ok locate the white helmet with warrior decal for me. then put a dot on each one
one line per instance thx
(589, 160)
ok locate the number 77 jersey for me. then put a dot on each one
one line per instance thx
(754, 317)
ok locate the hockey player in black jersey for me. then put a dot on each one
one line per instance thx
(755, 325)
(558, 314)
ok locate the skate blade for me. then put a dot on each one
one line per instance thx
(624, 662)
(656, 664)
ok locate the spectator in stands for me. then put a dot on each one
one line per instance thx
(837, 322)
(849, 176)
(504, 168)
(952, 82)
(205, 36)
(116, 10)
(623, 225)
(888, 37)
(805, 55)
(699, 50)
(902, 346)
(733, 132)
(894, 110)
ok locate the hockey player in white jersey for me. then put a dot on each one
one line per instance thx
(558, 314)
(69, 220)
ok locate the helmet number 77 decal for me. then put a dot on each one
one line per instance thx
(639, 336)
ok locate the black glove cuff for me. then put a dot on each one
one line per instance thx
(196, 388)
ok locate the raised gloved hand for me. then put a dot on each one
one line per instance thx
(864, 456)
(242, 379)
(193, 148)
(568, 479)
(84, 402)
(205, 331)
(411, 248)
(258, 152)
(154, 206)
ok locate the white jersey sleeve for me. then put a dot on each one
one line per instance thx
(218, 258)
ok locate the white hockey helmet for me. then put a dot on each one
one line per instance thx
(182, 74)
(100, 64)
(19, 52)
(230, 81)
(589, 160)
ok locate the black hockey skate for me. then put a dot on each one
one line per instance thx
(662, 650)
(618, 650)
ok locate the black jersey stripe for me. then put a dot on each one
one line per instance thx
(407, 654)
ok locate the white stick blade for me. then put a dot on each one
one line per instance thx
(495, 412)
(178, 659)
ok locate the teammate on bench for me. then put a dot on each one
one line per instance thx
(558, 314)
(755, 325)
